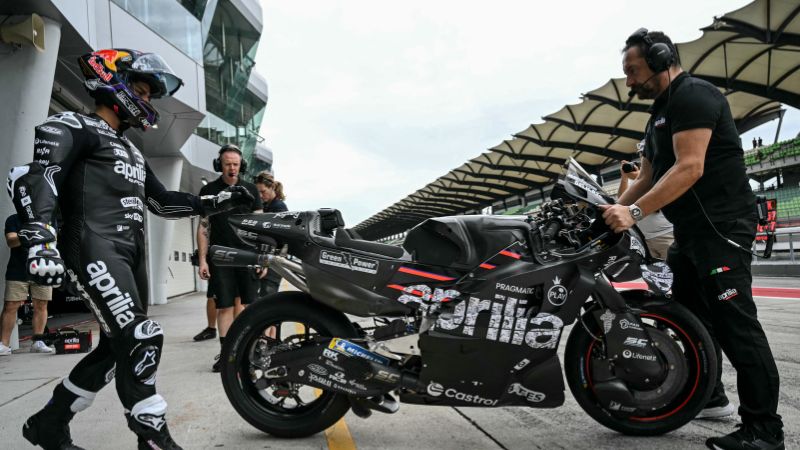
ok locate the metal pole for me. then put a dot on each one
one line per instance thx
(791, 247)
(780, 122)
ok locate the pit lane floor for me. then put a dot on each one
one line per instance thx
(200, 416)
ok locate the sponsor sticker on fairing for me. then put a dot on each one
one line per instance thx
(437, 390)
(507, 322)
(557, 294)
(522, 391)
(348, 261)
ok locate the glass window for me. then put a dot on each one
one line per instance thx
(169, 20)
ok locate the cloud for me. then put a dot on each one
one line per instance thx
(370, 101)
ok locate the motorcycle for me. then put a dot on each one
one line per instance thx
(468, 312)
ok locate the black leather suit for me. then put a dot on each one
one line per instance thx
(102, 184)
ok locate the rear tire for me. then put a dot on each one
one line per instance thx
(690, 336)
(247, 399)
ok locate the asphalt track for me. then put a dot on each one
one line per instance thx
(200, 416)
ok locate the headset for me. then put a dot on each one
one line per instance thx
(217, 163)
(658, 55)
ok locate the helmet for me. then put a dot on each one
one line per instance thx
(109, 79)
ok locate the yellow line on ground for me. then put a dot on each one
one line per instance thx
(337, 435)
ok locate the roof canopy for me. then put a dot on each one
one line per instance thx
(752, 55)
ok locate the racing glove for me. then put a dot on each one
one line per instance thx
(45, 265)
(229, 198)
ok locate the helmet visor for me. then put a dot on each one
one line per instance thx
(155, 69)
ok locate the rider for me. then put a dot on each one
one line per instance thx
(101, 182)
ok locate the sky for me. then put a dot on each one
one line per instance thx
(369, 101)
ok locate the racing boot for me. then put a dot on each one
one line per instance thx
(146, 420)
(49, 428)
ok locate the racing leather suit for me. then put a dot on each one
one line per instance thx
(102, 184)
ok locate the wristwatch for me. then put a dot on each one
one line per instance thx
(636, 212)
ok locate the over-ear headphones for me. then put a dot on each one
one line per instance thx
(229, 148)
(658, 55)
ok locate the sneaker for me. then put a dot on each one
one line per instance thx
(4, 349)
(747, 437)
(51, 434)
(208, 333)
(41, 347)
(717, 410)
(217, 367)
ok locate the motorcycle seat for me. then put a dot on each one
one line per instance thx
(346, 240)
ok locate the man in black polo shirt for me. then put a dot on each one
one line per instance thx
(227, 283)
(693, 171)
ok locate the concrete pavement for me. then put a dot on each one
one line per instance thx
(200, 416)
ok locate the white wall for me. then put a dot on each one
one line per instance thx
(180, 278)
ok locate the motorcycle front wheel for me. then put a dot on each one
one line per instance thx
(280, 322)
(691, 352)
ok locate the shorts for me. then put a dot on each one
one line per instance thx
(229, 282)
(17, 291)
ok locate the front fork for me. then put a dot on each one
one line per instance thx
(630, 351)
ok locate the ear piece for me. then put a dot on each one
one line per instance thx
(658, 55)
(217, 162)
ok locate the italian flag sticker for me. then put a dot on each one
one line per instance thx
(720, 270)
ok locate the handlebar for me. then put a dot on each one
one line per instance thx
(550, 232)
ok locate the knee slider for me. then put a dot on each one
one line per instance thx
(146, 353)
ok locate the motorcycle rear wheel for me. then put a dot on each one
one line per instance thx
(695, 344)
(286, 410)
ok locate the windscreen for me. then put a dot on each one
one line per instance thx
(579, 185)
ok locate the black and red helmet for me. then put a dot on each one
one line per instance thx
(109, 79)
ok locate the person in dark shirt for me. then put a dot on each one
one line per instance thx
(272, 196)
(693, 170)
(227, 283)
(17, 289)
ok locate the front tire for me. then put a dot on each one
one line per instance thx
(266, 408)
(692, 340)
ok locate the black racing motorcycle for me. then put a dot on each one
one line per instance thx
(468, 312)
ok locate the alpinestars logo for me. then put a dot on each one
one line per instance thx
(133, 173)
(155, 421)
(148, 360)
(119, 303)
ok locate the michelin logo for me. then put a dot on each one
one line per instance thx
(348, 348)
